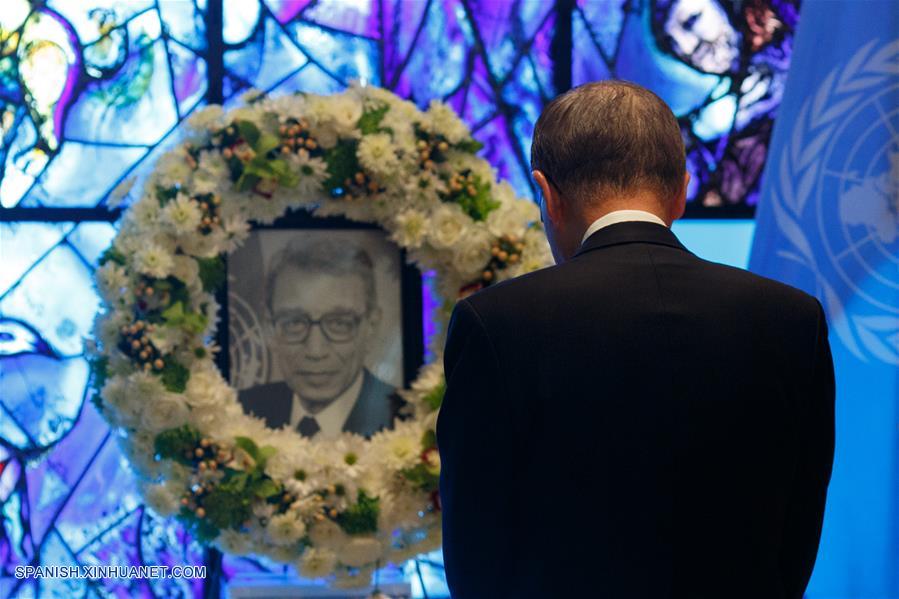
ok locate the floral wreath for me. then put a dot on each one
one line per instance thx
(334, 508)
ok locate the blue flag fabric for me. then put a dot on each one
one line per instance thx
(828, 223)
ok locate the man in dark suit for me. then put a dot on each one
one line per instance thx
(323, 315)
(634, 422)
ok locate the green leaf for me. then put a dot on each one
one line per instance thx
(266, 143)
(429, 439)
(212, 272)
(341, 163)
(265, 452)
(421, 477)
(361, 517)
(192, 322)
(200, 528)
(247, 181)
(469, 145)
(226, 508)
(249, 132)
(176, 443)
(249, 446)
(112, 255)
(266, 488)
(174, 376)
(371, 119)
(174, 313)
(434, 399)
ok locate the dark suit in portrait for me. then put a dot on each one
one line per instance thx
(374, 410)
(635, 423)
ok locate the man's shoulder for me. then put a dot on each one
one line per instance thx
(757, 288)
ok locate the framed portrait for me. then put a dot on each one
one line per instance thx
(324, 323)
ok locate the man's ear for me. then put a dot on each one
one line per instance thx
(680, 203)
(552, 202)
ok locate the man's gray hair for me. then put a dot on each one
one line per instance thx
(325, 256)
(608, 138)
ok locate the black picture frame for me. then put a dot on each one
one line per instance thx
(411, 305)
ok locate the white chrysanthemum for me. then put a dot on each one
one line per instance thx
(399, 448)
(410, 228)
(284, 529)
(327, 535)
(429, 377)
(317, 563)
(443, 120)
(166, 338)
(182, 214)
(377, 156)
(472, 253)
(206, 388)
(172, 168)
(162, 498)
(112, 282)
(345, 111)
(126, 406)
(360, 551)
(208, 118)
(312, 174)
(144, 215)
(513, 218)
(448, 224)
(164, 412)
(108, 329)
(211, 175)
(233, 542)
(153, 260)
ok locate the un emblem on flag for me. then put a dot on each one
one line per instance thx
(837, 198)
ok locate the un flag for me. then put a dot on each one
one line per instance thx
(828, 223)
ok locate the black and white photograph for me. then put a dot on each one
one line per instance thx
(315, 335)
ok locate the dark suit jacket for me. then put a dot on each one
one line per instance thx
(375, 408)
(635, 423)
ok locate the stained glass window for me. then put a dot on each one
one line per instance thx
(91, 91)
(721, 66)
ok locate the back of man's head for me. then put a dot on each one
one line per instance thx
(608, 139)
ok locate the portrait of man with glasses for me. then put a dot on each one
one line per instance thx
(322, 317)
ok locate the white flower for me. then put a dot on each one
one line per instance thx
(377, 156)
(144, 214)
(442, 120)
(410, 228)
(162, 498)
(185, 268)
(206, 388)
(233, 542)
(360, 551)
(164, 412)
(207, 118)
(448, 224)
(173, 168)
(285, 529)
(472, 253)
(112, 282)
(117, 394)
(312, 173)
(345, 111)
(211, 175)
(165, 338)
(512, 219)
(182, 214)
(317, 563)
(153, 260)
(328, 535)
(399, 448)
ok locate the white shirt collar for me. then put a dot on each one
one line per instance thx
(332, 418)
(622, 216)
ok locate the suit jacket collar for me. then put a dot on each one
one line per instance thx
(630, 232)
